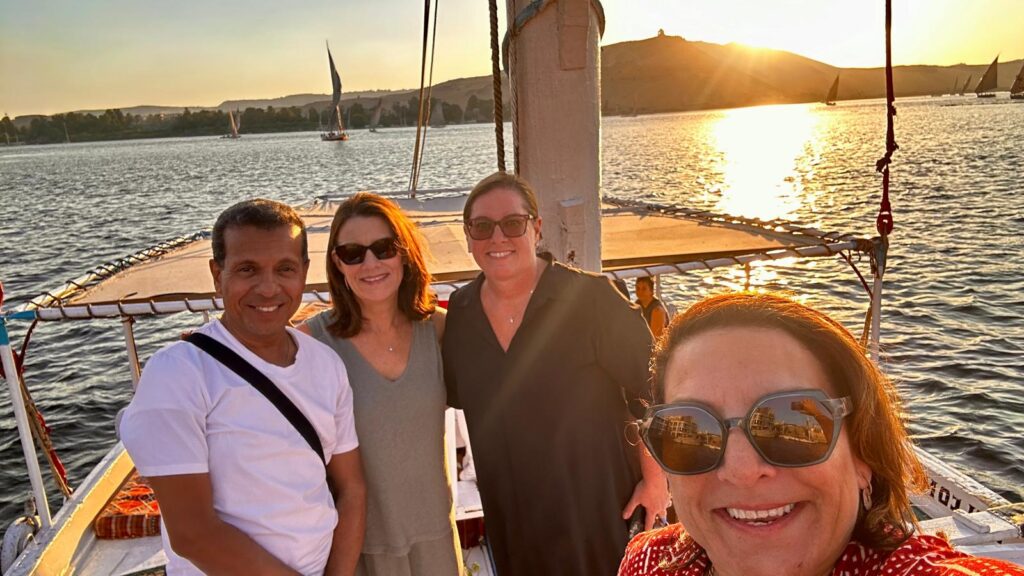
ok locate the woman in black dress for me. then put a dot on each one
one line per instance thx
(543, 358)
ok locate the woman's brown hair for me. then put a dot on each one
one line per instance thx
(502, 180)
(415, 299)
(875, 428)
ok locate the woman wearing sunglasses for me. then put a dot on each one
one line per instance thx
(785, 452)
(538, 356)
(384, 325)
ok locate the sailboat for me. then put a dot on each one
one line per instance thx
(375, 117)
(337, 132)
(830, 99)
(956, 84)
(437, 115)
(1017, 90)
(987, 85)
(234, 126)
(963, 88)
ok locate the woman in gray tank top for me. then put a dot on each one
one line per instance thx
(385, 327)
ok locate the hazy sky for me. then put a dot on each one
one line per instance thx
(59, 55)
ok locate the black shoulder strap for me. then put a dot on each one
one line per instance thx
(260, 382)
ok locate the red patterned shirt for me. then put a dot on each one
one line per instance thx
(671, 552)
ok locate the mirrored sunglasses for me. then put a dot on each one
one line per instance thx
(512, 226)
(787, 429)
(351, 254)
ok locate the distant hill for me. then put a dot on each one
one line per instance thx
(669, 73)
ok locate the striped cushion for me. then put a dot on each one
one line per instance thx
(132, 513)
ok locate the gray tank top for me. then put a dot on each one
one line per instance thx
(400, 424)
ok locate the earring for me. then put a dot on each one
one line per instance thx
(865, 497)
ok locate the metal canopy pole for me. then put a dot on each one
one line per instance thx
(133, 354)
(35, 476)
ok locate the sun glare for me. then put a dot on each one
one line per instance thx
(762, 150)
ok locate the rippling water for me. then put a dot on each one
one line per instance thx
(953, 322)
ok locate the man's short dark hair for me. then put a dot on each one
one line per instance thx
(646, 280)
(258, 213)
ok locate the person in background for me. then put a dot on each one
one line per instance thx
(653, 309)
(538, 355)
(384, 324)
(785, 451)
(240, 489)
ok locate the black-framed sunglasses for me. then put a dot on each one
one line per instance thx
(512, 226)
(788, 429)
(352, 254)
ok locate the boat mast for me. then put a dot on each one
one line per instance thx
(554, 60)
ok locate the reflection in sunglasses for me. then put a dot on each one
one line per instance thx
(788, 429)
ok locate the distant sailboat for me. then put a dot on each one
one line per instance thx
(987, 85)
(233, 126)
(830, 99)
(956, 84)
(1017, 90)
(337, 133)
(375, 117)
(67, 137)
(963, 89)
(437, 115)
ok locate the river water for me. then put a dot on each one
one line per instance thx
(953, 321)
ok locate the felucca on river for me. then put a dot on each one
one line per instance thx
(830, 98)
(558, 149)
(987, 85)
(337, 127)
(1017, 89)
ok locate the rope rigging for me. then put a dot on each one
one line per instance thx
(499, 113)
(884, 222)
(423, 115)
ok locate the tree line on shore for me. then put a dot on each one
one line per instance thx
(114, 124)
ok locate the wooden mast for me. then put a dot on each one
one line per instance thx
(555, 59)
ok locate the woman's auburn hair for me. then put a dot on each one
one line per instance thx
(415, 299)
(875, 427)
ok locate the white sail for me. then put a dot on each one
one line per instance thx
(437, 115)
(234, 125)
(377, 111)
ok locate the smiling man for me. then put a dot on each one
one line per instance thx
(240, 488)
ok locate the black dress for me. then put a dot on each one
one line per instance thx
(546, 420)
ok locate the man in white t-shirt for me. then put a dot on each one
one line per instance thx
(240, 490)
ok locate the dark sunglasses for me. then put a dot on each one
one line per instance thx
(351, 254)
(512, 226)
(788, 429)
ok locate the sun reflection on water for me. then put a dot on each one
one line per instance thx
(766, 156)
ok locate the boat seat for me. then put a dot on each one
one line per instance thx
(132, 513)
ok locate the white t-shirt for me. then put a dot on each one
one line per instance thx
(192, 415)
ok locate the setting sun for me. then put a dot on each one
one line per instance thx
(761, 150)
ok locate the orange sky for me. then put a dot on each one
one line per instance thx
(61, 55)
